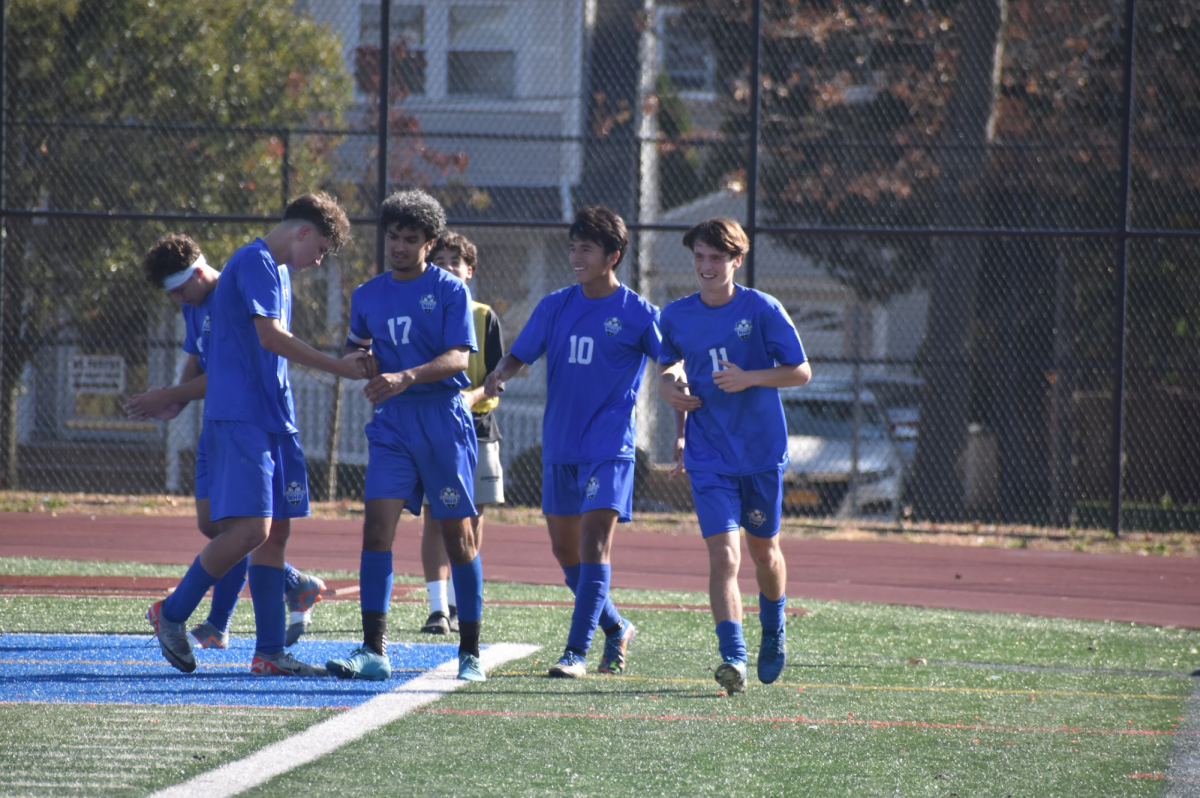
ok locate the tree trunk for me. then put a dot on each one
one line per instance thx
(938, 491)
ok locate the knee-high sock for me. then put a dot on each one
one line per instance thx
(730, 640)
(270, 613)
(180, 605)
(291, 576)
(610, 619)
(590, 596)
(770, 613)
(468, 587)
(375, 580)
(225, 594)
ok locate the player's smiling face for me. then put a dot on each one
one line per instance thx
(405, 249)
(714, 267)
(593, 267)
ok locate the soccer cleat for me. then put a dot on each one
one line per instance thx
(300, 600)
(615, 647)
(363, 663)
(469, 668)
(731, 674)
(772, 654)
(436, 624)
(452, 619)
(172, 639)
(283, 664)
(569, 666)
(206, 635)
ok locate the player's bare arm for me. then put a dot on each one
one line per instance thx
(167, 402)
(508, 367)
(732, 379)
(673, 388)
(279, 341)
(447, 364)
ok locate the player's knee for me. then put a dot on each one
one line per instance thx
(765, 551)
(724, 559)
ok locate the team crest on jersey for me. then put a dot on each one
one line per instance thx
(207, 324)
(449, 497)
(756, 518)
(592, 486)
(742, 328)
(612, 326)
(428, 303)
(294, 493)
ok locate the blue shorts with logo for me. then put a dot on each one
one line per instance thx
(252, 473)
(575, 488)
(724, 503)
(424, 447)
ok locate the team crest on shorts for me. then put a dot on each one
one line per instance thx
(449, 497)
(592, 486)
(756, 518)
(207, 324)
(428, 303)
(294, 493)
(612, 326)
(742, 328)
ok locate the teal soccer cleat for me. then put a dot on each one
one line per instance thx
(469, 669)
(363, 663)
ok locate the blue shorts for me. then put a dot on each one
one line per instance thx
(575, 488)
(424, 447)
(255, 473)
(724, 503)
(201, 481)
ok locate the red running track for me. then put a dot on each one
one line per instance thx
(1152, 590)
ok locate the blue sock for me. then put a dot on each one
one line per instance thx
(609, 617)
(225, 594)
(468, 589)
(590, 596)
(291, 576)
(270, 613)
(375, 580)
(730, 640)
(180, 605)
(771, 612)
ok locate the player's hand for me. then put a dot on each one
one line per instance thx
(145, 405)
(676, 394)
(364, 366)
(679, 467)
(169, 412)
(385, 386)
(493, 386)
(732, 379)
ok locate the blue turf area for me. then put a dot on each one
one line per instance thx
(124, 669)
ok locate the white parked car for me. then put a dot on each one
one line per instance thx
(821, 434)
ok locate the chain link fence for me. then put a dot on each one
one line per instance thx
(981, 217)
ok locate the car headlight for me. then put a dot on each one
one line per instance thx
(872, 477)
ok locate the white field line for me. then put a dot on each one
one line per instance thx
(318, 740)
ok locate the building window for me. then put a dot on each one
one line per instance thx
(482, 59)
(684, 50)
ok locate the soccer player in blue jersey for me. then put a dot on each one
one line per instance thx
(250, 438)
(726, 351)
(596, 336)
(415, 320)
(457, 255)
(176, 264)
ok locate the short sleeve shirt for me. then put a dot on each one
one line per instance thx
(197, 321)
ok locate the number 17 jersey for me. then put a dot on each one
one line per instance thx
(596, 351)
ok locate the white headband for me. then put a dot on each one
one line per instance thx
(173, 281)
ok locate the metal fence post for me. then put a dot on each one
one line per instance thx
(753, 136)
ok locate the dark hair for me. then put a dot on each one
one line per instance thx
(414, 209)
(324, 214)
(719, 233)
(170, 254)
(455, 242)
(601, 226)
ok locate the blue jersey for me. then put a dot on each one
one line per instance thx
(732, 433)
(408, 323)
(197, 323)
(596, 352)
(245, 381)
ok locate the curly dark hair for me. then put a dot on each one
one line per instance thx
(456, 242)
(170, 254)
(719, 233)
(323, 213)
(415, 209)
(601, 226)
